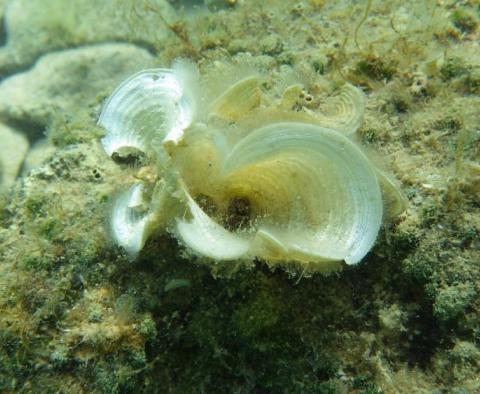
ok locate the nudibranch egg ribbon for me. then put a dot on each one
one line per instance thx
(313, 196)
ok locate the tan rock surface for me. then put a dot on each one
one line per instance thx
(62, 82)
(37, 27)
(13, 147)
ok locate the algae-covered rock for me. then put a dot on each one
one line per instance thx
(40, 152)
(78, 315)
(70, 83)
(37, 27)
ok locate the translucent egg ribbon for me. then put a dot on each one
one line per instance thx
(287, 190)
(313, 196)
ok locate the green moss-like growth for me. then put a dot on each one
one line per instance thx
(64, 131)
(420, 268)
(257, 317)
(465, 21)
(369, 136)
(453, 68)
(471, 82)
(35, 204)
(365, 385)
(453, 300)
(375, 68)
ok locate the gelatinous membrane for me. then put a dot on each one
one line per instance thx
(314, 197)
(151, 106)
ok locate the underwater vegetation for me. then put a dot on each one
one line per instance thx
(155, 306)
(237, 180)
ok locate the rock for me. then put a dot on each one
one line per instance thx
(38, 154)
(67, 83)
(13, 149)
(34, 28)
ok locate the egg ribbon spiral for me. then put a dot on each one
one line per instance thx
(288, 190)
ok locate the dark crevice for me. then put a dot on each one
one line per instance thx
(33, 131)
(188, 4)
(9, 69)
(148, 46)
(3, 32)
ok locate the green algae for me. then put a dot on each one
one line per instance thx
(464, 20)
(375, 68)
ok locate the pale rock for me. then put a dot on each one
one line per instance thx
(68, 83)
(38, 154)
(13, 148)
(36, 27)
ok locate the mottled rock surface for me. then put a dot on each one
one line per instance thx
(68, 82)
(37, 27)
(39, 152)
